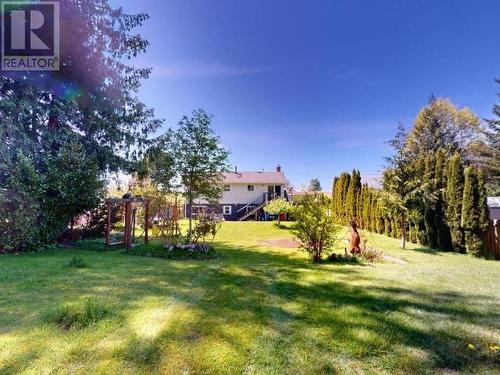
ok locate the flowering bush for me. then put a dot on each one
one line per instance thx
(177, 250)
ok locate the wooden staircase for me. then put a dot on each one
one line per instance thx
(251, 212)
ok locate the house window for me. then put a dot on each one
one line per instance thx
(227, 187)
(226, 210)
(250, 188)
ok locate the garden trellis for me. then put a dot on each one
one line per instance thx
(130, 216)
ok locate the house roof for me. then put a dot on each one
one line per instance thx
(494, 202)
(277, 178)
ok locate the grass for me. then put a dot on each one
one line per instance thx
(81, 316)
(76, 262)
(256, 309)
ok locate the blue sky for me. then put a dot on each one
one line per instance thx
(316, 85)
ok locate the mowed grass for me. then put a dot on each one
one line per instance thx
(257, 309)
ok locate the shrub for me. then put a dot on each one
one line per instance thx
(315, 228)
(40, 197)
(79, 316)
(370, 254)
(200, 251)
(279, 206)
(343, 258)
(206, 224)
(76, 263)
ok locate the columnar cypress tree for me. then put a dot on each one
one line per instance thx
(346, 180)
(341, 185)
(334, 196)
(442, 229)
(372, 214)
(366, 207)
(430, 236)
(352, 193)
(454, 197)
(474, 211)
(380, 220)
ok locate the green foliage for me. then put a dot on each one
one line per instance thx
(41, 196)
(176, 251)
(474, 211)
(352, 195)
(454, 199)
(315, 228)
(190, 158)
(442, 126)
(340, 188)
(79, 316)
(488, 151)
(61, 131)
(76, 262)
(206, 225)
(315, 185)
(279, 206)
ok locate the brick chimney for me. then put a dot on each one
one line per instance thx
(278, 168)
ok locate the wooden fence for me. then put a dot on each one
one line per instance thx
(493, 239)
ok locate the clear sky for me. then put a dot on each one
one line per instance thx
(316, 85)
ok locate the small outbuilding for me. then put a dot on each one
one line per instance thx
(494, 207)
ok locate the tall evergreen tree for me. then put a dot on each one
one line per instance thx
(441, 125)
(315, 185)
(442, 229)
(454, 198)
(352, 194)
(474, 211)
(430, 232)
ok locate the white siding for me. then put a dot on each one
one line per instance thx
(239, 194)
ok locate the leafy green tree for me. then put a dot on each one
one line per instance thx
(91, 102)
(315, 228)
(315, 185)
(474, 211)
(279, 206)
(401, 188)
(454, 198)
(442, 126)
(200, 160)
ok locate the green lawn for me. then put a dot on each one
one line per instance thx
(257, 310)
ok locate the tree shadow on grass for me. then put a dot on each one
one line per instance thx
(293, 306)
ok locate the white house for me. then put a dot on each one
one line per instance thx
(246, 193)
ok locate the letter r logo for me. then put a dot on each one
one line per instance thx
(30, 31)
(18, 29)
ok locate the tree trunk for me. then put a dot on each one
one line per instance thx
(190, 218)
(403, 234)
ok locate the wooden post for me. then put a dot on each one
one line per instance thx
(128, 224)
(146, 222)
(134, 213)
(175, 214)
(108, 222)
